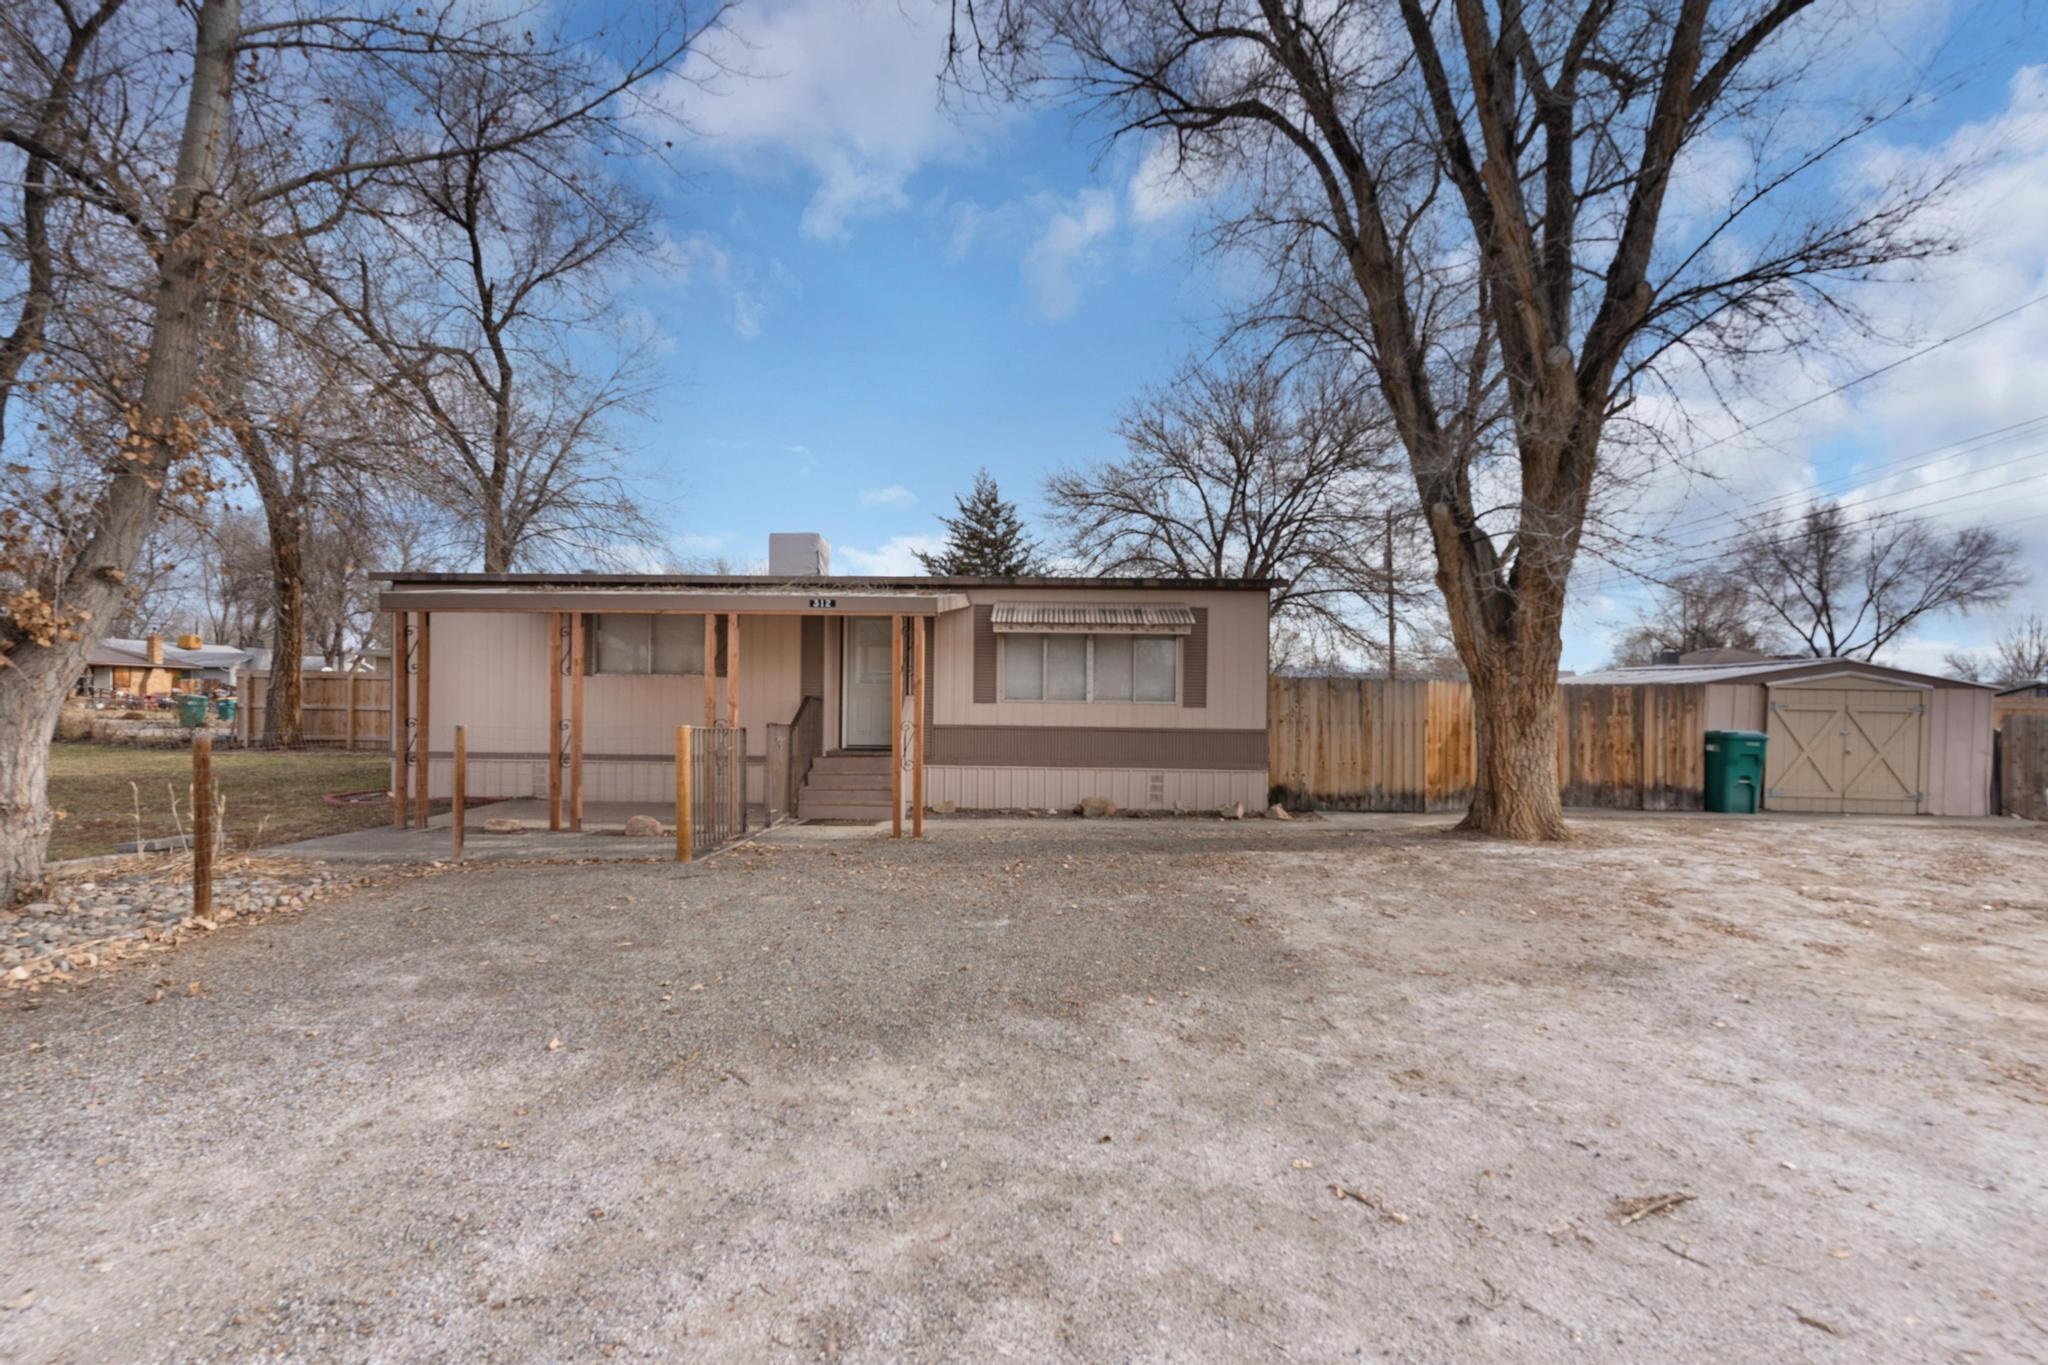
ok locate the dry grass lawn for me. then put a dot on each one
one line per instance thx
(271, 798)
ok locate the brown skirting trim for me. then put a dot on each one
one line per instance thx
(481, 756)
(1040, 746)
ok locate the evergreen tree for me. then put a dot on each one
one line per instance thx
(986, 539)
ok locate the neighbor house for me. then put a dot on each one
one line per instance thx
(150, 668)
(1035, 692)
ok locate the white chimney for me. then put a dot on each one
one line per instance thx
(798, 554)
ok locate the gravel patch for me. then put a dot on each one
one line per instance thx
(86, 920)
(1106, 1090)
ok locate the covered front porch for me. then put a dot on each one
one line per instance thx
(583, 698)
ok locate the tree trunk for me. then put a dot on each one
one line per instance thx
(41, 671)
(1515, 793)
(283, 721)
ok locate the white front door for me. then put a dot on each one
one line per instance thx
(866, 684)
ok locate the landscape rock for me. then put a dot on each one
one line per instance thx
(1278, 812)
(1096, 807)
(945, 808)
(1233, 811)
(500, 825)
(643, 827)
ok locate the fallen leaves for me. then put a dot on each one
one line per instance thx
(20, 1301)
(554, 1044)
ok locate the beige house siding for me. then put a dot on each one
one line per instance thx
(1234, 694)
(490, 674)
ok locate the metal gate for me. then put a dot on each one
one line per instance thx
(718, 791)
(1853, 750)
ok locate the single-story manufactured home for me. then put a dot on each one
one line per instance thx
(985, 693)
(150, 668)
(1845, 736)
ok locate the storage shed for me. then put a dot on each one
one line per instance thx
(1846, 736)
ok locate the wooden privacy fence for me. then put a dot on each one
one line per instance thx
(2022, 766)
(1380, 744)
(336, 710)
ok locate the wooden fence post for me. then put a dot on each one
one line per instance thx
(684, 833)
(348, 696)
(461, 776)
(202, 826)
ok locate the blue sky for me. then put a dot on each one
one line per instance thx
(863, 296)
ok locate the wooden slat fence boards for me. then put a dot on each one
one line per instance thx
(342, 710)
(2023, 766)
(1374, 744)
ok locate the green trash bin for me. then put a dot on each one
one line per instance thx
(191, 710)
(1735, 771)
(224, 707)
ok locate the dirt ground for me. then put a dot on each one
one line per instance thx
(1070, 1091)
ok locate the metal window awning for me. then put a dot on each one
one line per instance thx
(1090, 618)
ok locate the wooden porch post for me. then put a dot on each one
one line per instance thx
(710, 670)
(917, 712)
(576, 722)
(424, 764)
(458, 789)
(895, 727)
(555, 721)
(401, 719)
(732, 718)
(684, 813)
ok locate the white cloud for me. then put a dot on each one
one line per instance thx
(897, 556)
(1068, 244)
(697, 261)
(845, 90)
(1890, 444)
(895, 495)
(1161, 189)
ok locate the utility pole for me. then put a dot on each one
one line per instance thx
(1387, 567)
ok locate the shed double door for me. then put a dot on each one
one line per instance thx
(1857, 751)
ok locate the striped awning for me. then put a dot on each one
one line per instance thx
(1092, 618)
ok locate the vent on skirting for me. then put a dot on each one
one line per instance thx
(1155, 791)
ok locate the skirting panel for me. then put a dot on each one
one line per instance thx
(1068, 746)
(1161, 789)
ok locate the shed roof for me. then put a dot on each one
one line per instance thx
(1761, 671)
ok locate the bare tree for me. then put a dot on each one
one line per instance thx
(1847, 588)
(2018, 656)
(483, 289)
(1472, 196)
(282, 123)
(1709, 608)
(1249, 469)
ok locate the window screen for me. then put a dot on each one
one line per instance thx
(1024, 667)
(1066, 668)
(1154, 661)
(647, 644)
(1112, 668)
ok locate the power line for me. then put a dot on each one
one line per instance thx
(1975, 443)
(1868, 375)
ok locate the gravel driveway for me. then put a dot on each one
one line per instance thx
(1070, 1091)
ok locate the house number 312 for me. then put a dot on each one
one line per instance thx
(824, 603)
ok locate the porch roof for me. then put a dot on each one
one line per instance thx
(657, 597)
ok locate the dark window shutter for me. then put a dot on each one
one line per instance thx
(1194, 658)
(984, 655)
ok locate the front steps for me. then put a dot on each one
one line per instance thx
(846, 785)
